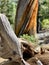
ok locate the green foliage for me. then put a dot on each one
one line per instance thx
(45, 24)
(29, 38)
(44, 9)
(43, 13)
(8, 7)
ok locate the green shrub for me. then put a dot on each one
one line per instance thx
(45, 24)
(29, 38)
(8, 7)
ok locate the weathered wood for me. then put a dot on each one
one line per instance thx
(9, 63)
(31, 60)
(43, 58)
(43, 35)
(43, 38)
(10, 45)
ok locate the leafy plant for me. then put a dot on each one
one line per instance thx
(45, 24)
(43, 9)
(28, 38)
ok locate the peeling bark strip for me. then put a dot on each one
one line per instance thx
(21, 14)
(11, 45)
(26, 16)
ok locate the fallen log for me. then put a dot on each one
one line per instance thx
(43, 38)
(43, 35)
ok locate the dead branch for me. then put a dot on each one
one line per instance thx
(9, 42)
(43, 35)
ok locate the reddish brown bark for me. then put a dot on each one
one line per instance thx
(29, 13)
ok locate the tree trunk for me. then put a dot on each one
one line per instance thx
(26, 17)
